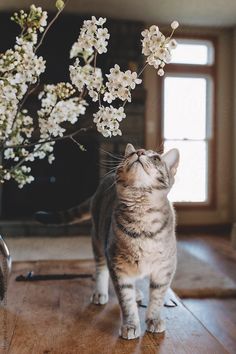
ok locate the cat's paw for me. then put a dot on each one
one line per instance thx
(130, 331)
(99, 299)
(155, 325)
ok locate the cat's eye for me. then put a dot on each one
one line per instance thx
(156, 158)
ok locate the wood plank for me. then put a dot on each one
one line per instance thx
(56, 317)
(219, 317)
(10, 311)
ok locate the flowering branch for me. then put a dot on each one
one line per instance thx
(20, 70)
(60, 9)
(64, 137)
(20, 106)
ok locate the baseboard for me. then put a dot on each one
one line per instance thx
(205, 229)
(28, 228)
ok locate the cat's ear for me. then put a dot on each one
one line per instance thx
(171, 159)
(129, 149)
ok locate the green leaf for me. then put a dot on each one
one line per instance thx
(60, 4)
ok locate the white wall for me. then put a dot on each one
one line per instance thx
(187, 12)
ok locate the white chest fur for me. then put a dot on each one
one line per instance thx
(156, 254)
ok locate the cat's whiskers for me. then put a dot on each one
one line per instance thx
(108, 166)
(112, 170)
(109, 172)
(117, 157)
(113, 184)
(109, 163)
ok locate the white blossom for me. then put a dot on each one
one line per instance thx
(120, 84)
(108, 97)
(173, 44)
(51, 158)
(93, 37)
(7, 176)
(19, 68)
(55, 111)
(157, 48)
(9, 154)
(86, 77)
(107, 120)
(160, 72)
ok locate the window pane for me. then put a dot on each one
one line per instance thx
(185, 107)
(191, 53)
(191, 178)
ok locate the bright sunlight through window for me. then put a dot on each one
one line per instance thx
(188, 52)
(187, 123)
(185, 129)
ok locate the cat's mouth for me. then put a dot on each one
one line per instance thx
(137, 162)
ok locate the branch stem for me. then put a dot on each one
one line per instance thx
(142, 69)
(139, 74)
(49, 26)
(68, 136)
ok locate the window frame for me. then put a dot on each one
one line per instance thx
(209, 70)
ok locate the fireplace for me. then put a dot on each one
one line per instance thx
(72, 177)
(75, 174)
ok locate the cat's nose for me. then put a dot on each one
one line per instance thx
(140, 152)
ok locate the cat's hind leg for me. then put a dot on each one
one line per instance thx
(100, 295)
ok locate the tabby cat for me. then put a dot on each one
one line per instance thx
(133, 234)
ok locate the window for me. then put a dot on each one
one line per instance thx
(187, 118)
(193, 52)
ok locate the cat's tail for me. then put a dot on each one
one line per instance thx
(74, 215)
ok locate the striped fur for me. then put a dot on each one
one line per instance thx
(134, 234)
(71, 216)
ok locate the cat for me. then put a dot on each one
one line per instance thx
(133, 234)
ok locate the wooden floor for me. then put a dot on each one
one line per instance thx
(217, 315)
(56, 317)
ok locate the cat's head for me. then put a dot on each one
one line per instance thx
(146, 168)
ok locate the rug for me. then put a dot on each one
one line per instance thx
(195, 278)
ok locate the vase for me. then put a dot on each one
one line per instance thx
(5, 268)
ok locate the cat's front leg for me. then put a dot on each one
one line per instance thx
(158, 288)
(125, 290)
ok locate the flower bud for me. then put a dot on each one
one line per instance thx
(174, 25)
(60, 4)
